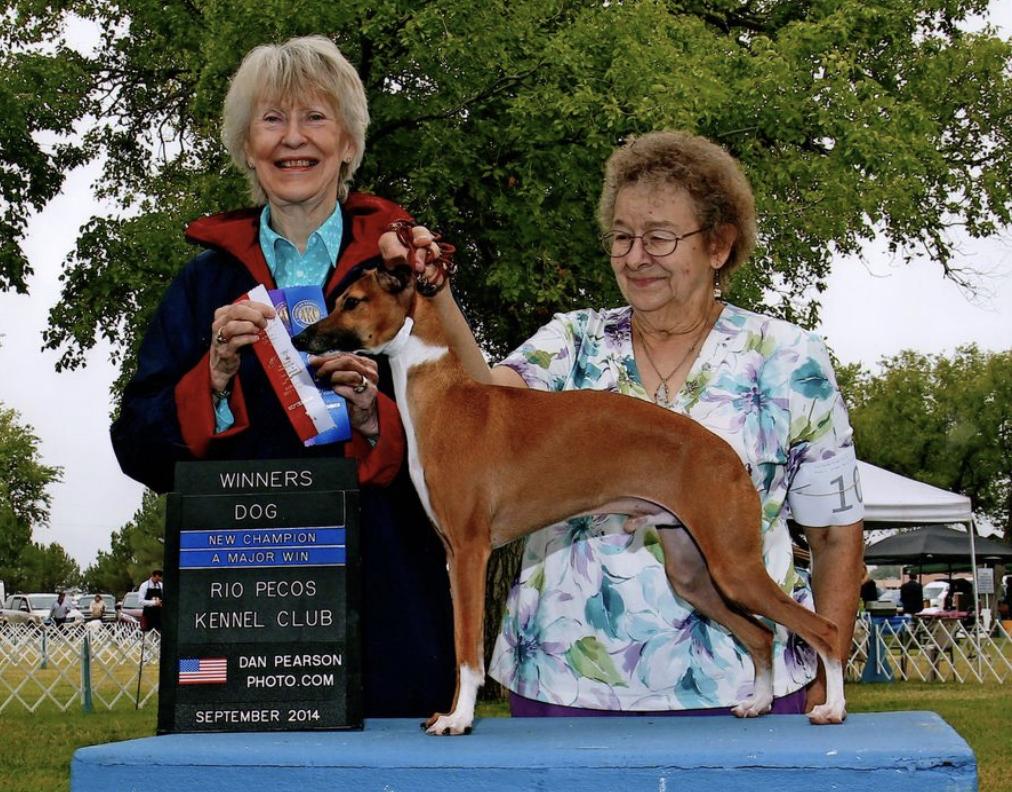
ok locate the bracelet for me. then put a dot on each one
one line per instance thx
(221, 395)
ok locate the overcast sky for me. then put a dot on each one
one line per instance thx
(872, 307)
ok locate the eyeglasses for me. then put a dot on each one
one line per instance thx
(656, 243)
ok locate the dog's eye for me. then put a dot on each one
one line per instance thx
(350, 303)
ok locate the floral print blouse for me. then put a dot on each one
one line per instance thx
(592, 621)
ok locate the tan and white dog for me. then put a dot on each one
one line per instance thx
(479, 456)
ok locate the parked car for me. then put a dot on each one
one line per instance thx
(935, 593)
(33, 609)
(84, 601)
(130, 610)
(891, 596)
(885, 604)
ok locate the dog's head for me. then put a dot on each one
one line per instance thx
(367, 315)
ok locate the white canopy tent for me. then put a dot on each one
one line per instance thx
(894, 501)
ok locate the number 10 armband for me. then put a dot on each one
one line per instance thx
(827, 491)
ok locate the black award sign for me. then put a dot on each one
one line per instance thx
(260, 627)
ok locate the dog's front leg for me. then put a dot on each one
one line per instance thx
(467, 566)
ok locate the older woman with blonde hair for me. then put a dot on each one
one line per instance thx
(592, 625)
(294, 123)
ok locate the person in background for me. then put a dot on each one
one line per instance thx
(294, 123)
(960, 597)
(912, 594)
(592, 626)
(150, 594)
(60, 610)
(869, 590)
(96, 609)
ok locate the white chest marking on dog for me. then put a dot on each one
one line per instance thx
(405, 352)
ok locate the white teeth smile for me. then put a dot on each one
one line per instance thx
(296, 163)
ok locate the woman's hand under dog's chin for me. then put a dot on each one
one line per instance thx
(355, 378)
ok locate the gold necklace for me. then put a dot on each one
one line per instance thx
(662, 396)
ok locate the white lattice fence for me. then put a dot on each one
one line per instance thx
(931, 650)
(44, 666)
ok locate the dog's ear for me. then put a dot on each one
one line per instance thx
(395, 280)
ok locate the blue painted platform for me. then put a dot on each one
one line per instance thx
(894, 752)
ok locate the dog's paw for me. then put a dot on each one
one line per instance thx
(828, 713)
(451, 724)
(753, 707)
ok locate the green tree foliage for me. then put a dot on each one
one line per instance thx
(15, 535)
(24, 501)
(44, 568)
(146, 535)
(492, 119)
(136, 549)
(946, 421)
(23, 477)
(39, 93)
(110, 571)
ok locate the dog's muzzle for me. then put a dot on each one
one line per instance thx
(315, 341)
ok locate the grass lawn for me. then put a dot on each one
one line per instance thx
(981, 713)
(37, 747)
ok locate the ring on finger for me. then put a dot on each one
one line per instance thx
(220, 339)
(360, 388)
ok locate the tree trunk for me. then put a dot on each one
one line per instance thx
(503, 567)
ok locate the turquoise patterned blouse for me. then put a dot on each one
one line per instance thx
(291, 268)
(592, 621)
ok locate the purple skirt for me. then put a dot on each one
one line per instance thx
(520, 707)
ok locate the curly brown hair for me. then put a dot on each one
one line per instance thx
(712, 177)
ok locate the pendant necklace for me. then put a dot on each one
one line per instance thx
(662, 396)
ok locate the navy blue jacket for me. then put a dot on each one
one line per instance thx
(167, 416)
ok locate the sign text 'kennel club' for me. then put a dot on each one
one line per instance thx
(261, 624)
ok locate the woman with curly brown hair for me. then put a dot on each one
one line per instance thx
(592, 625)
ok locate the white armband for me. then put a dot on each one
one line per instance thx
(828, 491)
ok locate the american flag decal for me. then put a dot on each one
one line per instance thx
(203, 671)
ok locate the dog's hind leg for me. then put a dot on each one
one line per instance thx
(738, 572)
(689, 577)
(752, 588)
(835, 708)
(467, 566)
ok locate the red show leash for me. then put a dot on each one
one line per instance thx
(443, 262)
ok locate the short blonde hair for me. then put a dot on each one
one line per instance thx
(711, 176)
(294, 70)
